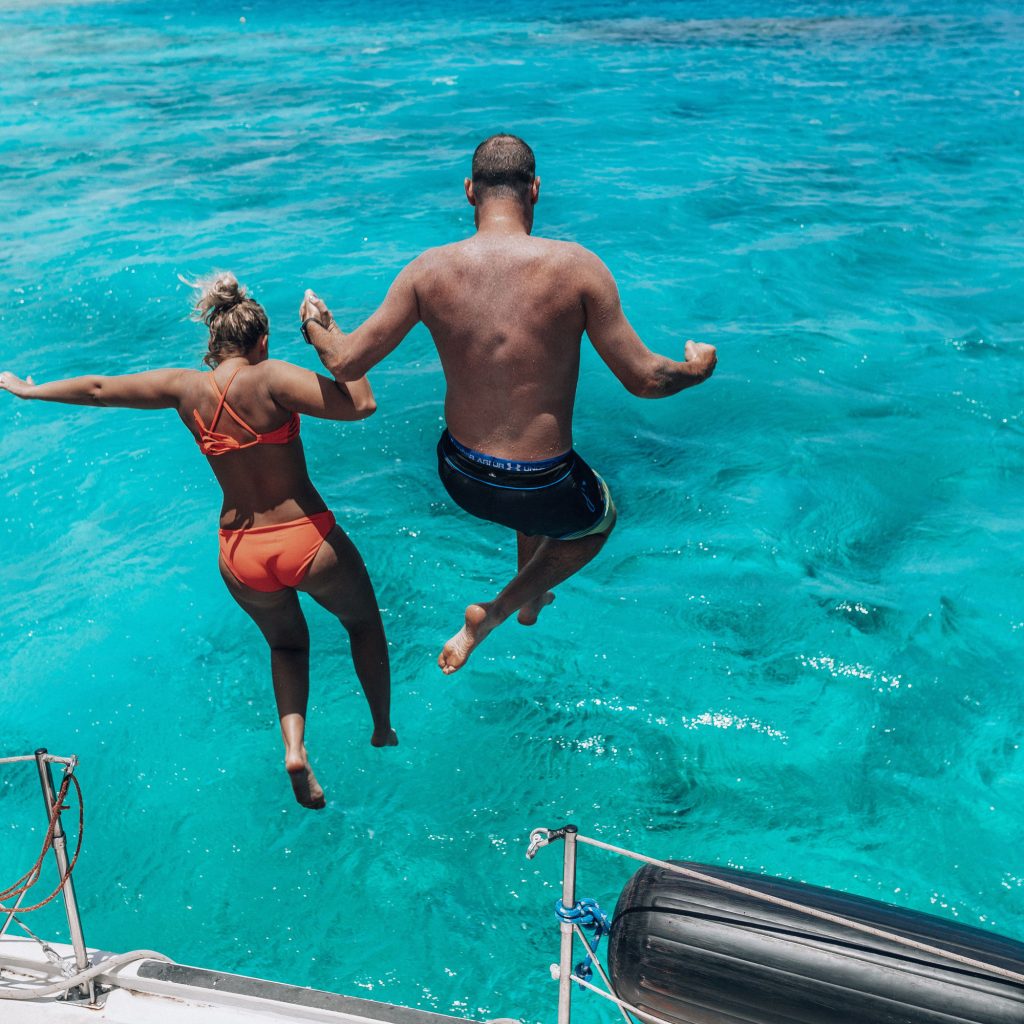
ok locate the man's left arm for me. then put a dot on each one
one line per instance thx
(643, 373)
(348, 357)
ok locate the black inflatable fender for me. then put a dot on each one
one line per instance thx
(693, 953)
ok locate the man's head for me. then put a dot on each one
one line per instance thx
(503, 167)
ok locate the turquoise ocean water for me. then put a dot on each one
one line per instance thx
(798, 654)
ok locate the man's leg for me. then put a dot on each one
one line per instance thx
(526, 548)
(552, 562)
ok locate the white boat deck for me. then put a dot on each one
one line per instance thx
(155, 992)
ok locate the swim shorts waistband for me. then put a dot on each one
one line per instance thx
(509, 465)
(561, 498)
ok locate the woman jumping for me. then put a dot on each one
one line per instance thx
(276, 534)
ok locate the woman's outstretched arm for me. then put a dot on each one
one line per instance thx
(154, 389)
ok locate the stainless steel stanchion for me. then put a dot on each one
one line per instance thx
(568, 901)
(60, 852)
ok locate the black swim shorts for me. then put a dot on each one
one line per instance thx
(560, 497)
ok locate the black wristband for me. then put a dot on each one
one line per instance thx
(304, 328)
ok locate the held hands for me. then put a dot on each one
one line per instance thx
(314, 310)
(702, 357)
(17, 387)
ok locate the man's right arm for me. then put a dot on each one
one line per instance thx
(348, 357)
(642, 372)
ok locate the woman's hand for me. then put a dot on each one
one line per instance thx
(314, 309)
(17, 387)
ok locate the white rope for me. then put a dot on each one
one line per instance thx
(66, 964)
(622, 1004)
(600, 968)
(25, 928)
(824, 915)
(83, 976)
(11, 912)
(51, 758)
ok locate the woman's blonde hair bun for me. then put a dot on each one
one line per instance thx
(236, 321)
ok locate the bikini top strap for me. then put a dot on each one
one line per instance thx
(222, 405)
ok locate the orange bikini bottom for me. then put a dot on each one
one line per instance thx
(269, 558)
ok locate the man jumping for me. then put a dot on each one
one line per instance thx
(507, 311)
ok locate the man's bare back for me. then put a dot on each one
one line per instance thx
(507, 312)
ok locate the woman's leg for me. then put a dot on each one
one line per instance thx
(282, 623)
(338, 580)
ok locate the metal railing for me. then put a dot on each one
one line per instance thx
(56, 839)
(567, 975)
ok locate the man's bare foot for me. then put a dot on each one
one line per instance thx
(529, 612)
(307, 789)
(479, 622)
(388, 738)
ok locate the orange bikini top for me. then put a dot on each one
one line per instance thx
(212, 443)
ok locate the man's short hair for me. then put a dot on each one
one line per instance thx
(503, 164)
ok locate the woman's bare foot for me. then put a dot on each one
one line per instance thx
(387, 738)
(479, 622)
(531, 610)
(307, 790)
